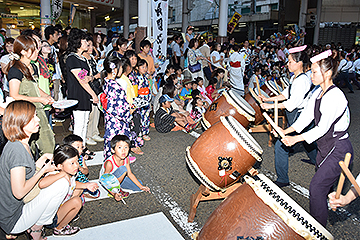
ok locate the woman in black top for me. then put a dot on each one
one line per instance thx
(78, 78)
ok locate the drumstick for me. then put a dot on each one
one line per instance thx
(257, 85)
(277, 86)
(350, 176)
(276, 127)
(342, 178)
(276, 117)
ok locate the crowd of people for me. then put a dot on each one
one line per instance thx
(104, 75)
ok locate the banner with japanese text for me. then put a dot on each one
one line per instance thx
(56, 9)
(160, 24)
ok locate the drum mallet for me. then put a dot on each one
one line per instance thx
(257, 85)
(350, 176)
(272, 123)
(255, 96)
(276, 113)
(342, 178)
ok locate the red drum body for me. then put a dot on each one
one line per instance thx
(255, 105)
(229, 104)
(222, 154)
(271, 89)
(259, 209)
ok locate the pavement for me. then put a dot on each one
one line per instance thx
(164, 170)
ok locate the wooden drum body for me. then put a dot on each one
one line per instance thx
(271, 89)
(229, 104)
(255, 105)
(222, 154)
(259, 209)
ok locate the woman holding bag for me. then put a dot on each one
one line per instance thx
(194, 56)
(19, 174)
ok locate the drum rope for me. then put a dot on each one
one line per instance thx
(244, 140)
(291, 210)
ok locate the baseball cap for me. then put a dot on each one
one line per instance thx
(165, 98)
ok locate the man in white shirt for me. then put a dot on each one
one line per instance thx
(176, 51)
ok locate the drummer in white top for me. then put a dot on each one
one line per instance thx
(328, 108)
(293, 98)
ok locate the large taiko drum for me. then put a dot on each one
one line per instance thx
(229, 104)
(259, 209)
(252, 100)
(271, 88)
(222, 154)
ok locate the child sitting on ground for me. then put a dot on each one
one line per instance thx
(165, 117)
(119, 165)
(186, 91)
(66, 163)
(82, 176)
(211, 92)
(198, 109)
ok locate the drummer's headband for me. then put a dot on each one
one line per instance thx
(297, 49)
(321, 56)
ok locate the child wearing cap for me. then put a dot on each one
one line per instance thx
(165, 117)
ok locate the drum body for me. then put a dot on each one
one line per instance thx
(259, 209)
(255, 105)
(229, 104)
(271, 89)
(284, 82)
(222, 154)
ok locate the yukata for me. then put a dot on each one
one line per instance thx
(144, 93)
(117, 114)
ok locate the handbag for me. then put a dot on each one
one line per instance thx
(33, 192)
(195, 68)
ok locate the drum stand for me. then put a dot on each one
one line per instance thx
(205, 194)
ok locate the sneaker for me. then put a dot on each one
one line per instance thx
(280, 184)
(89, 141)
(98, 138)
(66, 231)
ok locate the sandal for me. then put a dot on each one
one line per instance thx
(9, 236)
(30, 231)
(137, 150)
(146, 138)
(88, 152)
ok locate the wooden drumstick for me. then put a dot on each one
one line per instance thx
(276, 117)
(277, 86)
(342, 178)
(258, 85)
(350, 176)
(276, 127)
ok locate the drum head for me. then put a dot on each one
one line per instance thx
(285, 81)
(286, 208)
(243, 137)
(273, 88)
(241, 102)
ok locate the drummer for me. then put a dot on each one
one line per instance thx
(328, 108)
(293, 97)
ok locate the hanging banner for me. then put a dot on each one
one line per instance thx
(233, 22)
(160, 24)
(72, 14)
(56, 9)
